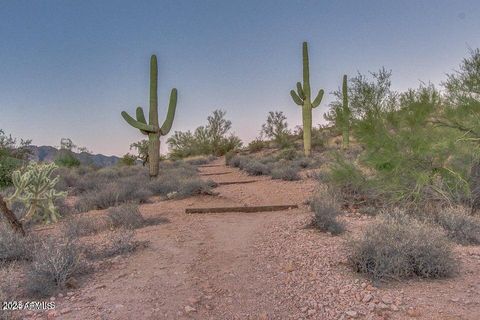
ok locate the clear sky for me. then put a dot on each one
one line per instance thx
(68, 68)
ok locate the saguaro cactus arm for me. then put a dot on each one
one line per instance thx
(318, 99)
(167, 124)
(296, 98)
(137, 124)
(300, 92)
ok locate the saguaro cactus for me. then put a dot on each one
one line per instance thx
(152, 129)
(303, 98)
(345, 114)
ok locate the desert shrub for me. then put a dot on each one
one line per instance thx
(12, 155)
(229, 156)
(121, 241)
(256, 168)
(326, 211)
(240, 162)
(7, 166)
(197, 160)
(288, 154)
(191, 187)
(80, 226)
(286, 172)
(66, 158)
(459, 225)
(302, 162)
(13, 246)
(276, 128)
(9, 290)
(127, 160)
(112, 194)
(55, 261)
(399, 246)
(257, 145)
(127, 216)
(212, 139)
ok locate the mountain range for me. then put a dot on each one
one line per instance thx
(48, 154)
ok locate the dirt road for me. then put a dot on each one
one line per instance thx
(255, 266)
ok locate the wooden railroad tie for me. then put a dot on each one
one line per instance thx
(210, 165)
(224, 183)
(242, 209)
(215, 173)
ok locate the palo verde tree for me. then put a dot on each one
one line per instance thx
(302, 97)
(152, 128)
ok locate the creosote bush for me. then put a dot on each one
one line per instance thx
(326, 212)
(398, 246)
(459, 225)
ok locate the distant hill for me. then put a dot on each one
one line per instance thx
(48, 154)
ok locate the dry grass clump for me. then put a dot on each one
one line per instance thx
(398, 246)
(460, 226)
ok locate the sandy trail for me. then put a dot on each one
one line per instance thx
(255, 266)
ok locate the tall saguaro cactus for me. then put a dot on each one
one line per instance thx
(302, 97)
(152, 129)
(345, 114)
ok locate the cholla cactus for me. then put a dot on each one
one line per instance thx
(35, 189)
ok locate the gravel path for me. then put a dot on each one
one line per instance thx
(256, 266)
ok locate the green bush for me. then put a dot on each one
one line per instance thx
(66, 158)
(398, 246)
(7, 166)
(257, 145)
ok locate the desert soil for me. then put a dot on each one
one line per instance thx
(256, 266)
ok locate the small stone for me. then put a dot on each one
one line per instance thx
(387, 300)
(60, 295)
(193, 300)
(455, 299)
(189, 309)
(208, 307)
(101, 286)
(65, 310)
(413, 313)
(367, 298)
(394, 307)
(352, 313)
(119, 306)
(52, 298)
(69, 294)
(382, 306)
(311, 312)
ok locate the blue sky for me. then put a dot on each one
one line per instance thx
(68, 68)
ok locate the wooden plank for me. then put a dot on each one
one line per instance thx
(242, 209)
(215, 173)
(210, 165)
(224, 183)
